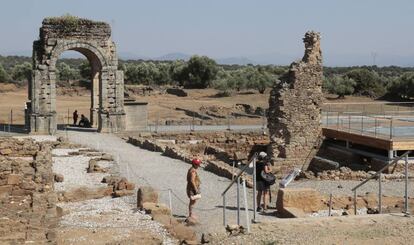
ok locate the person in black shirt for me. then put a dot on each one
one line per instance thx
(263, 189)
(84, 122)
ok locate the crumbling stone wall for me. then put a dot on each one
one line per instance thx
(27, 198)
(92, 39)
(295, 108)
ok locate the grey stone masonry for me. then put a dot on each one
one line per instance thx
(295, 109)
(92, 39)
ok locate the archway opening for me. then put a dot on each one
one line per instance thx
(78, 82)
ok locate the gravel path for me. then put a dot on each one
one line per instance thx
(151, 168)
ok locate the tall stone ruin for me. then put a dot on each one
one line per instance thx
(295, 109)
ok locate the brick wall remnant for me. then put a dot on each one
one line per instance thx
(27, 197)
(295, 108)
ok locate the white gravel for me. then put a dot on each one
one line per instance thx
(111, 213)
(73, 169)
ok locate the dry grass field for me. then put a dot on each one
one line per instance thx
(162, 107)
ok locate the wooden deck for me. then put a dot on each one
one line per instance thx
(393, 144)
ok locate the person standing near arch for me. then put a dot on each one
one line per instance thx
(75, 117)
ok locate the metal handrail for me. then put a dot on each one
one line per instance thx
(378, 173)
(381, 170)
(239, 174)
(237, 179)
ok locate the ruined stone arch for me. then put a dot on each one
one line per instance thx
(93, 40)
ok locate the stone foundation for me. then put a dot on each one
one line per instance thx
(27, 198)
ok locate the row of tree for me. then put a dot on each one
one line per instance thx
(203, 72)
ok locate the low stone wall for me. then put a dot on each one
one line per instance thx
(27, 198)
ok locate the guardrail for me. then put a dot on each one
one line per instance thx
(379, 173)
(236, 180)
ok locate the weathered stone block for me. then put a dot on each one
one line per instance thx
(146, 194)
(308, 200)
(155, 208)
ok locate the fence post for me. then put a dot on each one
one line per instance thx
(254, 191)
(246, 208)
(11, 117)
(406, 185)
(391, 128)
(170, 200)
(330, 205)
(375, 128)
(337, 121)
(355, 203)
(379, 193)
(327, 117)
(224, 209)
(349, 122)
(228, 121)
(362, 124)
(238, 201)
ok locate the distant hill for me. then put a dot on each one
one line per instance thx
(273, 58)
(174, 56)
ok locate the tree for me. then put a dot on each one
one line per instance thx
(340, 85)
(403, 86)
(143, 73)
(259, 79)
(200, 71)
(367, 82)
(178, 71)
(85, 70)
(22, 72)
(4, 76)
(67, 73)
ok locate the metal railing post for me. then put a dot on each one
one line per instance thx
(391, 128)
(246, 208)
(11, 117)
(375, 128)
(170, 200)
(224, 210)
(349, 123)
(379, 193)
(355, 203)
(228, 122)
(254, 191)
(362, 124)
(337, 121)
(238, 201)
(406, 186)
(327, 118)
(330, 204)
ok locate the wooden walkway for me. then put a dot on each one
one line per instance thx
(368, 139)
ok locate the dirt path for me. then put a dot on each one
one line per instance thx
(150, 168)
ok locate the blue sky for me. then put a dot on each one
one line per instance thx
(351, 30)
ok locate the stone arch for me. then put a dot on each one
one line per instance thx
(93, 40)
